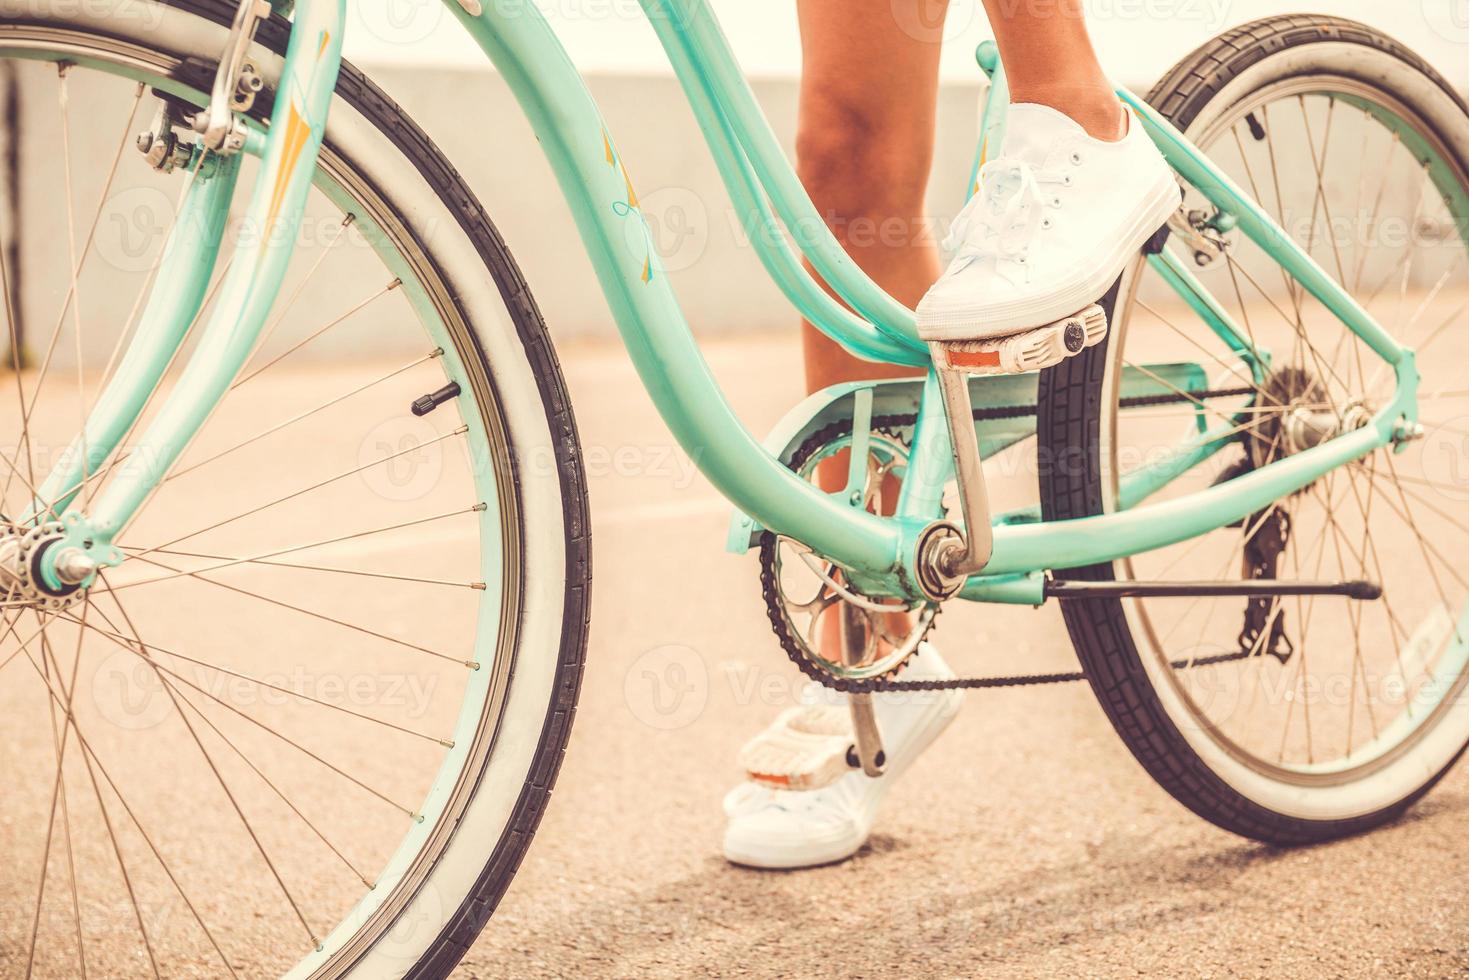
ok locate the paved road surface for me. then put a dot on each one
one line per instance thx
(1027, 842)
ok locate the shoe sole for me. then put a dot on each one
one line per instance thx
(991, 322)
(774, 859)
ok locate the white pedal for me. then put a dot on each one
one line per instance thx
(806, 748)
(1029, 351)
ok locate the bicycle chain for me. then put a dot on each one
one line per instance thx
(893, 425)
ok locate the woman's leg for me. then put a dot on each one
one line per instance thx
(863, 148)
(864, 145)
(1049, 60)
(869, 86)
(1062, 206)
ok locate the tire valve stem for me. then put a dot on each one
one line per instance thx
(427, 403)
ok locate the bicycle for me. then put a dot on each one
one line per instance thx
(1281, 458)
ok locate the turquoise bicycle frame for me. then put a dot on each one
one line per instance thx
(878, 551)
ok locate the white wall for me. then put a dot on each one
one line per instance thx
(1138, 39)
(471, 115)
(718, 277)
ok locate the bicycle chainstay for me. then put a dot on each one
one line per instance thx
(892, 425)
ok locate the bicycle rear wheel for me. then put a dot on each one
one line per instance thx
(311, 723)
(1293, 720)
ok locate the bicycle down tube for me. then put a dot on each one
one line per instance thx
(599, 191)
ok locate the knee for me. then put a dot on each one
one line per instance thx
(861, 171)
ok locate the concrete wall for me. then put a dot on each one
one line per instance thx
(475, 121)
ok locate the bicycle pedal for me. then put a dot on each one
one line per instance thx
(1032, 350)
(807, 747)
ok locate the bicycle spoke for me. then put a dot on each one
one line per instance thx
(1319, 166)
(1292, 288)
(243, 757)
(1368, 546)
(1392, 153)
(472, 665)
(155, 648)
(1232, 368)
(107, 822)
(90, 760)
(290, 303)
(1438, 331)
(75, 269)
(180, 679)
(137, 646)
(317, 333)
(180, 471)
(305, 490)
(262, 559)
(1142, 369)
(23, 447)
(73, 263)
(58, 795)
(1303, 343)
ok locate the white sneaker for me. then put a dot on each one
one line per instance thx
(1057, 216)
(773, 828)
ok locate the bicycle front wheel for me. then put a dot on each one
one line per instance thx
(309, 725)
(1289, 720)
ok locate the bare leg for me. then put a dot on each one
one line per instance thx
(1049, 60)
(869, 84)
(863, 150)
(864, 146)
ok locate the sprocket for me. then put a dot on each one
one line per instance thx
(886, 652)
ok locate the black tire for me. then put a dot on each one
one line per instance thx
(1071, 484)
(365, 97)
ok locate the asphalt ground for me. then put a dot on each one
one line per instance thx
(1026, 842)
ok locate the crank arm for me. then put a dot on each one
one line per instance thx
(949, 554)
(974, 502)
(864, 715)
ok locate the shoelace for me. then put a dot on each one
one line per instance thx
(1003, 218)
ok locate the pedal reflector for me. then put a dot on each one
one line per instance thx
(806, 748)
(1032, 350)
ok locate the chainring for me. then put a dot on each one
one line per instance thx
(895, 428)
(898, 427)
